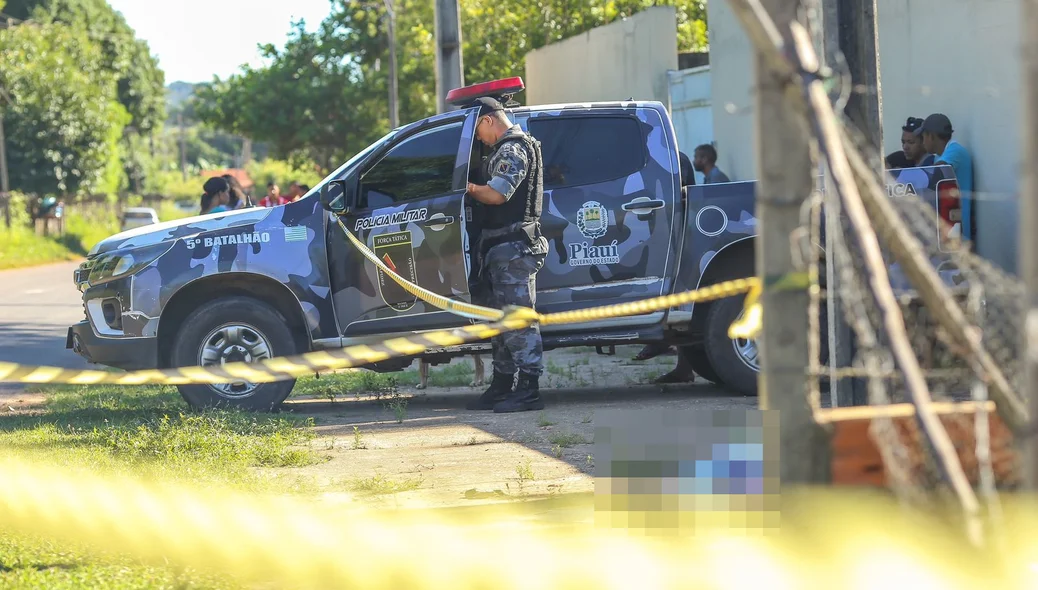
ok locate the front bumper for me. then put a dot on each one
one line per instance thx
(130, 354)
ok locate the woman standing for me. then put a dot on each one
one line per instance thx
(216, 194)
(239, 198)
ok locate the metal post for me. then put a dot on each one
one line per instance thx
(394, 109)
(1029, 221)
(786, 176)
(449, 67)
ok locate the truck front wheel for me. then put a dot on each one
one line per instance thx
(228, 330)
(735, 361)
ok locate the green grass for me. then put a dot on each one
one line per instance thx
(566, 439)
(363, 382)
(37, 563)
(145, 431)
(20, 246)
(148, 431)
(379, 485)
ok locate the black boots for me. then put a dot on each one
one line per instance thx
(527, 396)
(500, 387)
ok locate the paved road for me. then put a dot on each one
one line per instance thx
(36, 309)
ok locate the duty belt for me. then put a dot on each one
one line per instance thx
(526, 232)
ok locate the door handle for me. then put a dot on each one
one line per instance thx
(438, 222)
(643, 205)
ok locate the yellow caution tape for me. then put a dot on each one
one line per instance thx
(870, 541)
(268, 370)
(466, 310)
(711, 293)
(748, 326)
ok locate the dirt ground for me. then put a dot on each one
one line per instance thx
(422, 448)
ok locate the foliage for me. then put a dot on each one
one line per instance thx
(139, 80)
(280, 172)
(339, 73)
(63, 121)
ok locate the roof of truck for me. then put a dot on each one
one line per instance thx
(568, 106)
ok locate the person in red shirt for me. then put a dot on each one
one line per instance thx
(273, 198)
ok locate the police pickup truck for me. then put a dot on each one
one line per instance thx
(264, 282)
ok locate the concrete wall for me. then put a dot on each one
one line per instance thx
(625, 59)
(731, 91)
(959, 57)
(690, 109)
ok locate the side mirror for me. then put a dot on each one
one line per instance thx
(335, 197)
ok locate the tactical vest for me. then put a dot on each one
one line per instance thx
(525, 204)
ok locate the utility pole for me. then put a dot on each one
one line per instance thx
(849, 29)
(449, 70)
(183, 147)
(1029, 221)
(786, 174)
(394, 110)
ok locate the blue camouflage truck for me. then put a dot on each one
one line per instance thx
(263, 282)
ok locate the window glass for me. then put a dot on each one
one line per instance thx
(587, 150)
(419, 167)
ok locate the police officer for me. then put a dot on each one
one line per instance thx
(510, 251)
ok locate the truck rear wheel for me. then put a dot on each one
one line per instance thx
(734, 361)
(233, 329)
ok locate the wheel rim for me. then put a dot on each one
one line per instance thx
(746, 350)
(233, 343)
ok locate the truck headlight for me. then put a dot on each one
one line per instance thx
(122, 263)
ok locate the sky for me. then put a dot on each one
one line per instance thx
(197, 39)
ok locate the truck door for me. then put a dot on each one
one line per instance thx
(410, 214)
(611, 195)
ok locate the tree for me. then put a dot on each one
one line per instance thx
(140, 81)
(63, 123)
(323, 95)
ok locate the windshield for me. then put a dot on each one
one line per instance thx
(338, 171)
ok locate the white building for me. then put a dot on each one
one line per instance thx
(957, 57)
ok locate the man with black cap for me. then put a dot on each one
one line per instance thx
(912, 144)
(510, 251)
(936, 132)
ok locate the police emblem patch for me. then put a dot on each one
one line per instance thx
(592, 220)
(397, 253)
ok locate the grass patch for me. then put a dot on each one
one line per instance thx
(355, 382)
(452, 375)
(566, 439)
(144, 431)
(147, 431)
(20, 247)
(380, 485)
(37, 563)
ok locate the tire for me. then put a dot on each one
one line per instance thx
(700, 363)
(728, 365)
(735, 372)
(260, 327)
